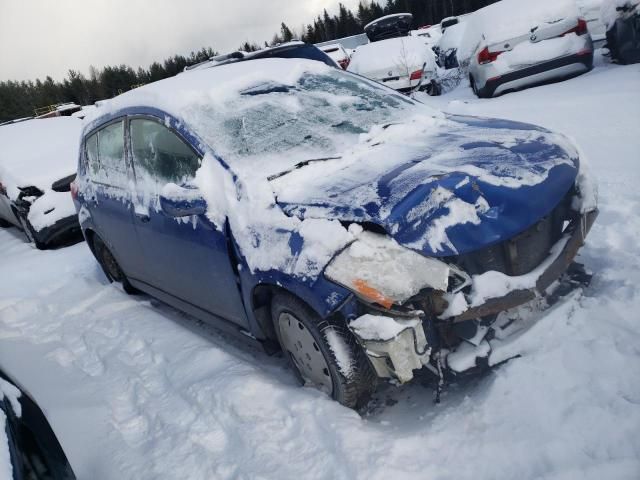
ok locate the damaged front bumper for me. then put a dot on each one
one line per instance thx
(417, 337)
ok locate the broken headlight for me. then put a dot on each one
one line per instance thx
(381, 271)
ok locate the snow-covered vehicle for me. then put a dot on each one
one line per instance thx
(403, 63)
(622, 22)
(338, 53)
(394, 58)
(363, 233)
(29, 448)
(37, 165)
(518, 44)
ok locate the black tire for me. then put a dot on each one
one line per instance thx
(353, 388)
(110, 266)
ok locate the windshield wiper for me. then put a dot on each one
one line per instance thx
(267, 88)
(304, 163)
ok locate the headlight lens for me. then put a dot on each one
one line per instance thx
(377, 268)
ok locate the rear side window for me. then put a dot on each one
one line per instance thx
(160, 155)
(105, 155)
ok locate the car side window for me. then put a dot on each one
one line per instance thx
(91, 145)
(160, 155)
(105, 155)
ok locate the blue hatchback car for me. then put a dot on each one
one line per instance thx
(359, 231)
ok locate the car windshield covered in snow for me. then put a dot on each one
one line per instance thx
(318, 115)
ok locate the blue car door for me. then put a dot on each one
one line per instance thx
(186, 257)
(110, 197)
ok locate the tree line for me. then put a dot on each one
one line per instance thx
(20, 99)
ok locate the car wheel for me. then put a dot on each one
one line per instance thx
(322, 353)
(110, 266)
(30, 233)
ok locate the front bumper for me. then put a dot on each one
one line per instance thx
(418, 339)
(574, 235)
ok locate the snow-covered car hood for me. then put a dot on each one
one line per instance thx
(442, 187)
(38, 152)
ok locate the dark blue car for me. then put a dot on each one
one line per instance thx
(312, 210)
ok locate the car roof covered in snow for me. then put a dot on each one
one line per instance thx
(38, 152)
(179, 94)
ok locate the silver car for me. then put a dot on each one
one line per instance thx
(516, 54)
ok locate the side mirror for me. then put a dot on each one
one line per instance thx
(178, 201)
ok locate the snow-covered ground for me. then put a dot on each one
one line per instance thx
(136, 390)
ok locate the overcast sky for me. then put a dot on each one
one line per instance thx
(49, 37)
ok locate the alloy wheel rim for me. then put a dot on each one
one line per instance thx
(305, 353)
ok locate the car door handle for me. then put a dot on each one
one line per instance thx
(143, 217)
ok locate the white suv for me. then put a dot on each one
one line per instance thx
(517, 45)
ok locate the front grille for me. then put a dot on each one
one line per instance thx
(522, 253)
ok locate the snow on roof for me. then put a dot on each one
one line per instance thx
(176, 94)
(38, 152)
(507, 19)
